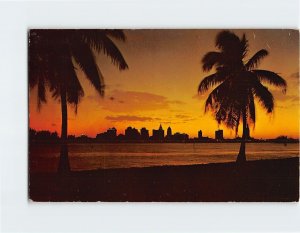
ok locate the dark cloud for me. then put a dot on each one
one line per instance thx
(287, 106)
(182, 116)
(295, 75)
(128, 118)
(131, 101)
(176, 102)
(280, 96)
(166, 122)
(185, 118)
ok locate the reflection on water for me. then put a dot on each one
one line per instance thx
(94, 156)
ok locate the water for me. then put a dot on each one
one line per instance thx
(95, 156)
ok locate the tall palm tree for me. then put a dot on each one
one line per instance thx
(52, 56)
(238, 82)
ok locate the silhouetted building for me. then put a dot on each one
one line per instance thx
(132, 134)
(112, 132)
(121, 137)
(144, 133)
(32, 134)
(71, 137)
(84, 138)
(158, 135)
(43, 135)
(109, 135)
(200, 134)
(219, 135)
(169, 132)
(180, 137)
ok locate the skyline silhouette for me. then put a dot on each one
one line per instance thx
(143, 135)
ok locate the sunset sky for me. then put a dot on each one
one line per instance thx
(160, 86)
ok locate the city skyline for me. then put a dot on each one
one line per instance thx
(144, 133)
(161, 86)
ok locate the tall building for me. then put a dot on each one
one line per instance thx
(132, 133)
(112, 132)
(180, 137)
(144, 133)
(158, 135)
(219, 135)
(169, 132)
(109, 135)
(199, 134)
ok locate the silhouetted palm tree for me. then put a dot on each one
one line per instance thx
(52, 54)
(238, 84)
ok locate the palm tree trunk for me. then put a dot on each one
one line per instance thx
(241, 158)
(64, 165)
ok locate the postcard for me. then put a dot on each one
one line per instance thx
(163, 115)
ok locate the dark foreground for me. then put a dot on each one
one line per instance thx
(265, 180)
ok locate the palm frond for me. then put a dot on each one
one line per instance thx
(84, 57)
(208, 103)
(216, 97)
(233, 119)
(41, 96)
(116, 33)
(251, 109)
(210, 60)
(74, 89)
(256, 58)
(227, 40)
(211, 81)
(271, 78)
(264, 96)
(102, 43)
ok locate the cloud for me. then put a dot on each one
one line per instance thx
(128, 118)
(293, 80)
(182, 116)
(295, 75)
(279, 96)
(131, 101)
(176, 102)
(166, 122)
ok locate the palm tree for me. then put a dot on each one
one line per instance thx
(238, 82)
(52, 56)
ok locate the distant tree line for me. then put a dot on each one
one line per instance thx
(43, 135)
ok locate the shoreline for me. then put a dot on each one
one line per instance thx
(257, 180)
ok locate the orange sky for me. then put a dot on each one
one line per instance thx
(161, 86)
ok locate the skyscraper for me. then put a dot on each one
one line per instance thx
(219, 135)
(132, 134)
(199, 134)
(144, 133)
(158, 135)
(169, 132)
